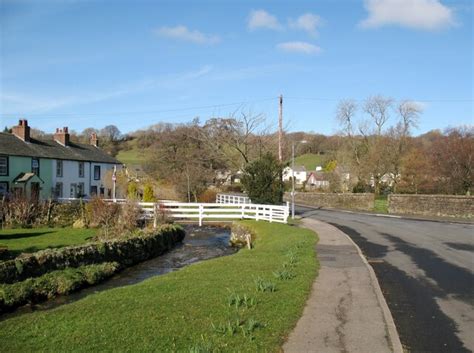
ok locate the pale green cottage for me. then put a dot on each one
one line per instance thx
(52, 168)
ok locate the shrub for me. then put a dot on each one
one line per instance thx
(128, 217)
(148, 193)
(262, 180)
(132, 190)
(103, 214)
(20, 211)
(208, 196)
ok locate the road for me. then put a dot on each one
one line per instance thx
(425, 270)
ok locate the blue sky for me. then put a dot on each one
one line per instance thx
(136, 63)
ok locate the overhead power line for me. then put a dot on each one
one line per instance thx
(213, 106)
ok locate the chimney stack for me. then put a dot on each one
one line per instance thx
(22, 130)
(94, 141)
(62, 136)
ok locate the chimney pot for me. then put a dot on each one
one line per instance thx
(22, 130)
(62, 136)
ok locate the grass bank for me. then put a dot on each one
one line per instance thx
(246, 302)
(381, 204)
(35, 239)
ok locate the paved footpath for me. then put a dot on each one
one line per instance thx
(346, 311)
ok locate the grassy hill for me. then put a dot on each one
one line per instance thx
(310, 161)
(131, 157)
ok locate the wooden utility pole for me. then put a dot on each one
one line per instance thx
(280, 129)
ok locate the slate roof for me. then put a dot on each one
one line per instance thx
(13, 146)
(299, 168)
(25, 177)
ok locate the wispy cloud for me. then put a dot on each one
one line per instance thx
(307, 22)
(299, 47)
(183, 33)
(13, 103)
(417, 14)
(262, 19)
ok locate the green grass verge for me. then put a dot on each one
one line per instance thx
(310, 161)
(31, 240)
(381, 204)
(247, 302)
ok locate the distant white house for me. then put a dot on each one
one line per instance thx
(300, 174)
(317, 180)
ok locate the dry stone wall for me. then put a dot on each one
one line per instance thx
(363, 202)
(432, 205)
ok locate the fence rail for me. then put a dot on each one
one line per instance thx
(232, 199)
(216, 211)
(207, 211)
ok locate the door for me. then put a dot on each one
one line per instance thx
(35, 191)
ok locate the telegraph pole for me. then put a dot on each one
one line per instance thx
(280, 129)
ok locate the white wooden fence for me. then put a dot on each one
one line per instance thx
(233, 199)
(208, 211)
(215, 211)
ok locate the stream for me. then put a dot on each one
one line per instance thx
(200, 243)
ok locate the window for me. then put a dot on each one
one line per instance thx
(3, 188)
(59, 168)
(35, 166)
(93, 190)
(4, 165)
(97, 172)
(58, 190)
(81, 169)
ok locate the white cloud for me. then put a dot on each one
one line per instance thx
(418, 14)
(299, 47)
(307, 22)
(262, 19)
(183, 33)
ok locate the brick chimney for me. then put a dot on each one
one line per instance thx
(94, 141)
(22, 130)
(62, 136)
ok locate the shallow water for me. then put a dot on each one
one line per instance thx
(200, 243)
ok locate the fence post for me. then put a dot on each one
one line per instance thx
(287, 211)
(243, 211)
(155, 216)
(200, 214)
(256, 212)
(271, 214)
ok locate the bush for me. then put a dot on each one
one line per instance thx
(148, 193)
(19, 211)
(208, 196)
(103, 214)
(262, 180)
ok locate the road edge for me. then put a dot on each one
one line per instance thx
(386, 215)
(389, 323)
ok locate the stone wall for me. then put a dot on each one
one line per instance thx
(432, 205)
(126, 252)
(364, 202)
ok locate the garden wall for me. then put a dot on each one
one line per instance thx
(363, 202)
(432, 205)
(126, 252)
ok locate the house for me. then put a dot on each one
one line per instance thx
(317, 180)
(52, 168)
(300, 174)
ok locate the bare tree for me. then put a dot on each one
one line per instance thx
(378, 109)
(409, 114)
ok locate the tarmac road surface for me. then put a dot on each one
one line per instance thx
(425, 270)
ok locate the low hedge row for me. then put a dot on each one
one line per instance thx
(35, 290)
(126, 252)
